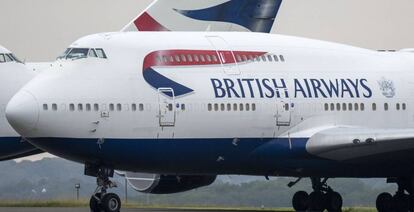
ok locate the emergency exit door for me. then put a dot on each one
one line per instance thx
(166, 102)
(283, 113)
(225, 54)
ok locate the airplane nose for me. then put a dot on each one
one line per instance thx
(22, 112)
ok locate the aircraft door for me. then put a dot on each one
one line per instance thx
(166, 102)
(283, 113)
(225, 55)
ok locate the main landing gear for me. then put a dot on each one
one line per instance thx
(101, 201)
(322, 198)
(401, 201)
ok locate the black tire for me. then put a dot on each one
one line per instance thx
(401, 203)
(111, 203)
(334, 202)
(300, 201)
(94, 203)
(384, 202)
(317, 201)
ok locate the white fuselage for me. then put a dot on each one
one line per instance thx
(149, 90)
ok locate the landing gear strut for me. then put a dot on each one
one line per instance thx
(101, 201)
(322, 197)
(402, 201)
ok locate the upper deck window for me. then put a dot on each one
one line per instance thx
(80, 53)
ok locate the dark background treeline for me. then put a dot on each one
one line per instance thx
(55, 179)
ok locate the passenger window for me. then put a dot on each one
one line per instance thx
(182, 107)
(332, 106)
(159, 59)
(101, 53)
(208, 58)
(96, 107)
(111, 107)
(202, 58)
(244, 58)
(228, 107)
(54, 107)
(253, 107)
(275, 58)
(183, 58)
(235, 107)
(241, 107)
(171, 59)
(287, 107)
(177, 58)
(80, 107)
(118, 107)
(398, 106)
(72, 107)
(251, 58)
(338, 106)
(222, 107)
(247, 107)
(216, 107)
(238, 58)
(170, 107)
(356, 106)
(189, 58)
(374, 106)
(210, 107)
(141, 107)
(264, 58)
(269, 57)
(404, 106)
(2, 59)
(258, 59)
(196, 58)
(385, 106)
(92, 53)
(282, 58)
(45, 107)
(214, 58)
(326, 106)
(88, 107)
(344, 106)
(164, 58)
(362, 106)
(134, 107)
(350, 107)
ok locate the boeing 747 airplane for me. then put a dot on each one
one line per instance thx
(193, 105)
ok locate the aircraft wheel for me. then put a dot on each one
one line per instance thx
(334, 202)
(111, 203)
(401, 203)
(384, 202)
(300, 201)
(317, 201)
(94, 203)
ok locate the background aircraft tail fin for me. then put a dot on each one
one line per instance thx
(207, 15)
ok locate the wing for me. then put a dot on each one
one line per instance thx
(362, 145)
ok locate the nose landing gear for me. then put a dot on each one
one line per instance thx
(101, 201)
(322, 197)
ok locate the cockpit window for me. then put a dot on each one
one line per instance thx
(2, 59)
(80, 53)
(15, 58)
(8, 58)
(92, 53)
(101, 53)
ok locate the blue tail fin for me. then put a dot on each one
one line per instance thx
(205, 15)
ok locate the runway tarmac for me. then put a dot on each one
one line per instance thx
(123, 210)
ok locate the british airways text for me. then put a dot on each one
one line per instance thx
(303, 88)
